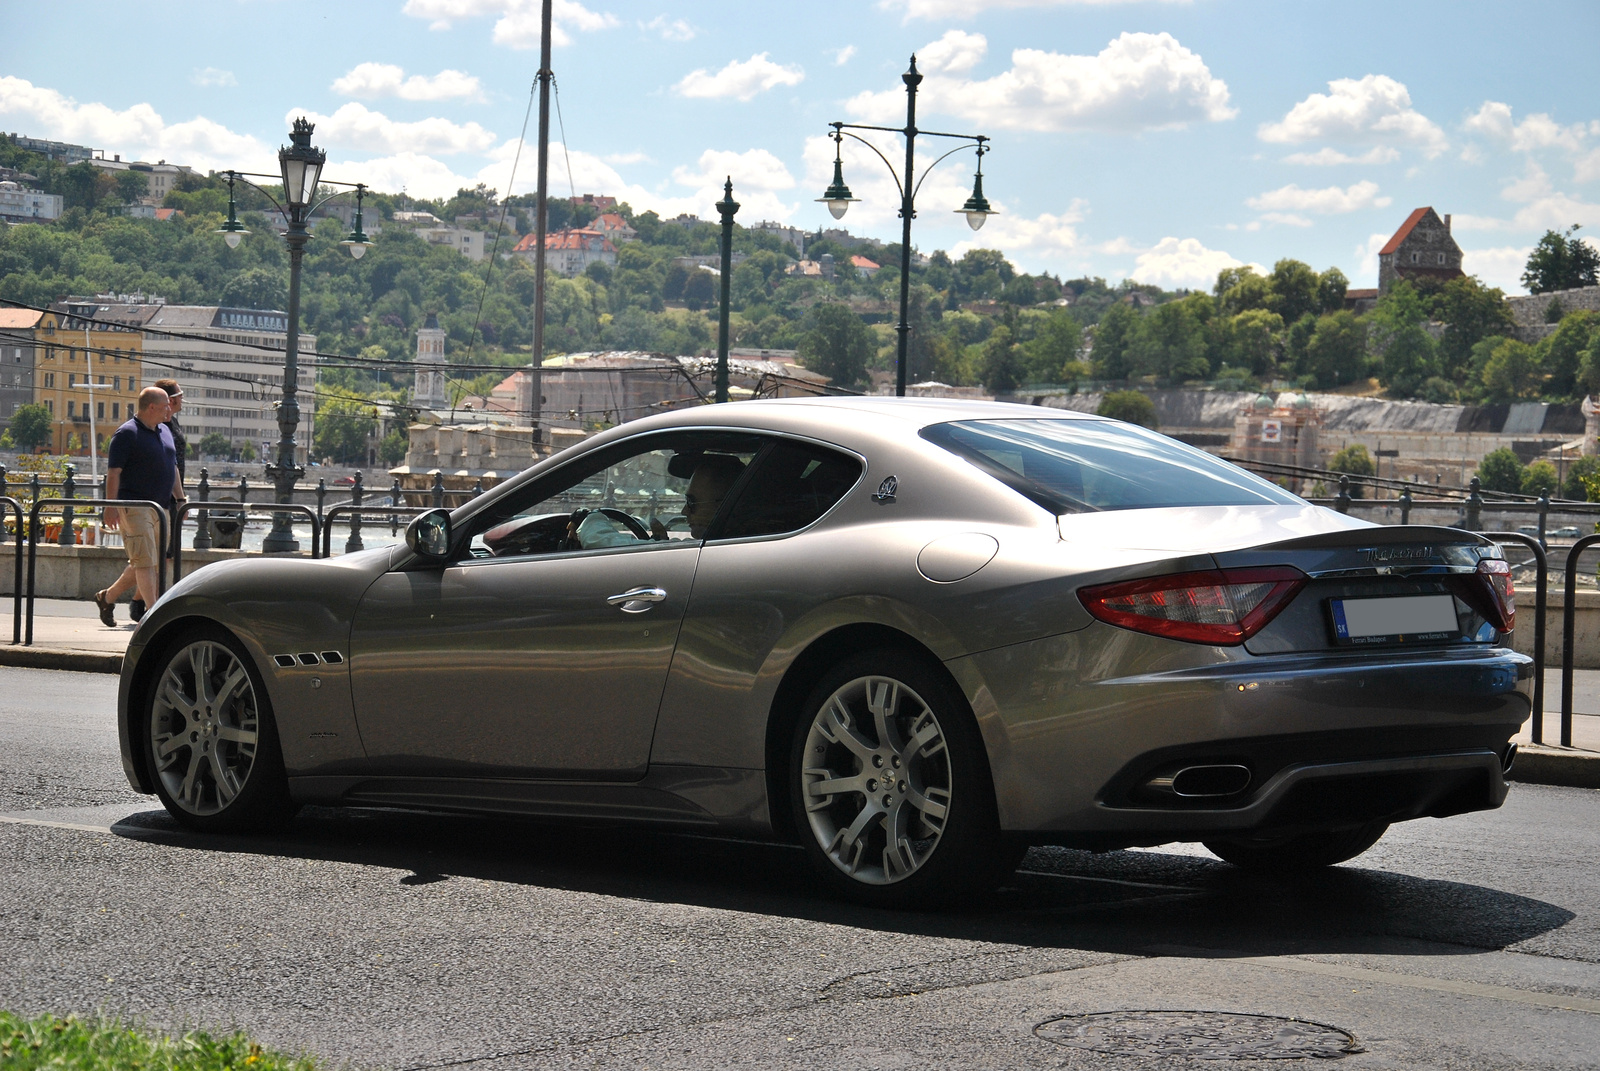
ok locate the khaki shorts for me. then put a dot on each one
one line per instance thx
(141, 535)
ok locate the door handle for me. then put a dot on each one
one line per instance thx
(637, 600)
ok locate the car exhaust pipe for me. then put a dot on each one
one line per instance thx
(1202, 782)
(1509, 759)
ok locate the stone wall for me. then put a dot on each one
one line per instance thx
(1529, 309)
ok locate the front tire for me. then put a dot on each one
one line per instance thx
(1309, 851)
(890, 787)
(210, 739)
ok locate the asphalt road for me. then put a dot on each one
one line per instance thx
(398, 941)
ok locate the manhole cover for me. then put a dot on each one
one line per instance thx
(1201, 1035)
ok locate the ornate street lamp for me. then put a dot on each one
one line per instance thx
(300, 164)
(839, 199)
(727, 208)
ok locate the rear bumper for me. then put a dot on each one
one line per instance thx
(1076, 724)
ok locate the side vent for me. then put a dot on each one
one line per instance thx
(285, 661)
(309, 658)
(333, 658)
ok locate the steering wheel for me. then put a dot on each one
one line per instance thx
(627, 520)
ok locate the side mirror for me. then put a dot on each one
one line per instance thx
(428, 536)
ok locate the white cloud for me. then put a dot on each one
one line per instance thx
(624, 158)
(1502, 266)
(1175, 262)
(213, 77)
(1367, 260)
(1537, 131)
(518, 25)
(1588, 167)
(1138, 81)
(1328, 201)
(373, 80)
(1372, 109)
(1046, 237)
(740, 78)
(1288, 219)
(668, 29)
(414, 173)
(136, 132)
(1533, 185)
(1329, 157)
(961, 9)
(841, 56)
(355, 126)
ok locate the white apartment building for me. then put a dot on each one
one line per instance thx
(20, 204)
(231, 385)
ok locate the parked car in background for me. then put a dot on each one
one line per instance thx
(914, 636)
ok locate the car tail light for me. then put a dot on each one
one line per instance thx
(1224, 607)
(1500, 607)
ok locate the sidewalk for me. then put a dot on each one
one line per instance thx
(67, 634)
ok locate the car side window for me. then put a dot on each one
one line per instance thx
(662, 490)
(792, 485)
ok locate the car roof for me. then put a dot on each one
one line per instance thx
(916, 411)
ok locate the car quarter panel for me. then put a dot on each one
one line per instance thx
(275, 606)
(1062, 715)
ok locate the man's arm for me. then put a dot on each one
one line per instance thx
(113, 483)
(177, 487)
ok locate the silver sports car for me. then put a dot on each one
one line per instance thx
(915, 636)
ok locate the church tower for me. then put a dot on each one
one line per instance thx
(430, 391)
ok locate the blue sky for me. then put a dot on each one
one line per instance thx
(1158, 139)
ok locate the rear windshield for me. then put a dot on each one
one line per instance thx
(1082, 466)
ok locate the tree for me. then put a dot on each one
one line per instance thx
(1511, 372)
(1501, 470)
(215, 444)
(1471, 312)
(1241, 289)
(1561, 261)
(256, 288)
(1002, 364)
(838, 345)
(699, 290)
(30, 426)
(344, 422)
(1336, 353)
(1170, 342)
(1294, 290)
(1331, 287)
(1355, 461)
(1252, 341)
(1406, 352)
(1053, 348)
(392, 448)
(1561, 352)
(1579, 471)
(1129, 405)
(1539, 478)
(247, 451)
(1112, 338)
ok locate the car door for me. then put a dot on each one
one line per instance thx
(543, 651)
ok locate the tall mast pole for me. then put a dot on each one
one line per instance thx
(541, 226)
(908, 211)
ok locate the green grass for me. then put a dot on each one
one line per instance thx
(74, 1044)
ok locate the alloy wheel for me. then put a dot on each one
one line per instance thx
(205, 727)
(876, 780)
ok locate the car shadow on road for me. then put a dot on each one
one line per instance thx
(1126, 902)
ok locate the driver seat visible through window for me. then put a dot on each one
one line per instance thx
(793, 484)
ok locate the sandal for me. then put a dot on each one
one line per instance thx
(108, 616)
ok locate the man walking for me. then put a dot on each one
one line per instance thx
(141, 464)
(180, 444)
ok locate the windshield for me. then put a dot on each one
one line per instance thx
(1080, 466)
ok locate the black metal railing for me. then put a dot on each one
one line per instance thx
(66, 505)
(1540, 599)
(264, 509)
(354, 543)
(7, 502)
(1568, 621)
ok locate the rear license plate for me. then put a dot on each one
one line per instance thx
(1394, 619)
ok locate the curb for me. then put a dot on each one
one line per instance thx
(1567, 767)
(60, 658)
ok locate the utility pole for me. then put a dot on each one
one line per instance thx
(542, 219)
(727, 208)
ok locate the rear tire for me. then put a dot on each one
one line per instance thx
(890, 788)
(1309, 851)
(209, 736)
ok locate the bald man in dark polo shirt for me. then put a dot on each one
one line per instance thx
(141, 465)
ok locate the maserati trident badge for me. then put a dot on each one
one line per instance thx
(886, 490)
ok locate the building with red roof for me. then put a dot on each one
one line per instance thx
(569, 252)
(1421, 249)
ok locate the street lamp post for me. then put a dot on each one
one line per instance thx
(839, 199)
(300, 165)
(727, 208)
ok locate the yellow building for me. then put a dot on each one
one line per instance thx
(87, 373)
